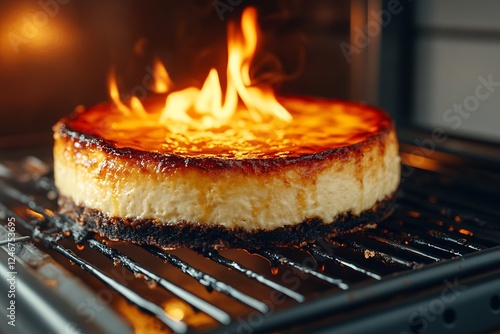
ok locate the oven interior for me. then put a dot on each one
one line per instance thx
(431, 267)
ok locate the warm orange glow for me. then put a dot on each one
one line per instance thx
(177, 310)
(35, 214)
(209, 108)
(414, 214)
(416, 160)
(142, 323)
(465, 232)
(28, 30)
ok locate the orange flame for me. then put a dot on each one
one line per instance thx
(208, 108)
(114, 93)
(136, 106)
(162, 83)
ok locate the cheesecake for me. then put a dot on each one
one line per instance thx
(199, 167)
(334, 168)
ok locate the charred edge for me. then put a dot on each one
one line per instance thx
(196, 235)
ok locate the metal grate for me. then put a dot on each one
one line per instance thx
(445, 227)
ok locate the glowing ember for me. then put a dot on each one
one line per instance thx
(465, 232)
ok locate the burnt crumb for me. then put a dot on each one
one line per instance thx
(197, 235)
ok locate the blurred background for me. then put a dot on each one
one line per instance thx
(431, 64)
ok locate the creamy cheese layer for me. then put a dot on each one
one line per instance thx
(231, 197)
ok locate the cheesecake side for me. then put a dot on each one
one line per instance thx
(250, 196)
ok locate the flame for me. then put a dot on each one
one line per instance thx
(114, 93)
(162, 83)
(260, 101)
(209, 108)
(137, 106)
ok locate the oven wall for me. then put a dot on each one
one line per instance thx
(457, 67)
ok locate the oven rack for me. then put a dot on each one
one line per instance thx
(444, 233)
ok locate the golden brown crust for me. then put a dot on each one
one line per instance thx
(165, 162)
(196, 235)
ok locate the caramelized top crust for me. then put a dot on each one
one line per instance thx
(321, 129)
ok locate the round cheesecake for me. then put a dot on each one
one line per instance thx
(335, 168)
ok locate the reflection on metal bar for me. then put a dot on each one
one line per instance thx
(137, 269)
(214, 255)
(15, 240)
(208, 280)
